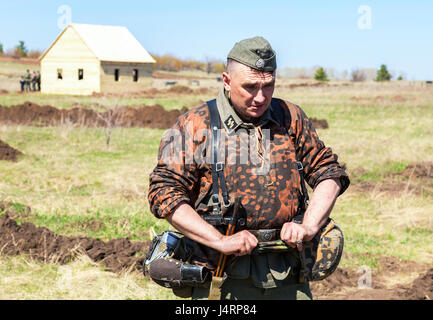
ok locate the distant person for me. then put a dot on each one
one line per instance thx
(22, 83)
(38, 80)
(34, 81)
(28, 79)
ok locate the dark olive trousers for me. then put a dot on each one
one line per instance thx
(244, 289)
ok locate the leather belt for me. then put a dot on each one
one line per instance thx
(265, 235)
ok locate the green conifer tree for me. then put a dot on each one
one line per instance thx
(383, 74)
(20, 50)
(321, 75)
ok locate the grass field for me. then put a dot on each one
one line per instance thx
(68, 177)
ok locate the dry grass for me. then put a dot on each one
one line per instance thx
(82, 279)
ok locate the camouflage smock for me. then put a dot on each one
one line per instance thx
(270, 196)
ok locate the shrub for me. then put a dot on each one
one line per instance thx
(321, 75)
(34, 54)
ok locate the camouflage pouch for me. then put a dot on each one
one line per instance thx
(321, 256)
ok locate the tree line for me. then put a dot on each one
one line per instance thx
(172, 63)
(357, 75)
(20, 51)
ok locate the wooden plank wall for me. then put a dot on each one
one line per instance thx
(70, 53)
(125, 82)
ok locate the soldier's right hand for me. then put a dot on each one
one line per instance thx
(239, 244)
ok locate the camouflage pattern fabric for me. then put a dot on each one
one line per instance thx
(270, 198)
(321, 256)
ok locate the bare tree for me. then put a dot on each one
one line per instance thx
(358, 75)
(110, 118)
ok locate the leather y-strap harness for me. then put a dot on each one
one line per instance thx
(218, 179)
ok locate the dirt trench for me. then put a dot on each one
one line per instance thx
(119, 255)
(155, 116)
(32, 114)
(42, 244)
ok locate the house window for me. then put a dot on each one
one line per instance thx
(80, 74)
(60, 74)
(116, 74)
(135, 75)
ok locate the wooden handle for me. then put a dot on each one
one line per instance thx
(230, 231)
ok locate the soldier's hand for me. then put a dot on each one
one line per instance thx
(239, 244)
(294, 234)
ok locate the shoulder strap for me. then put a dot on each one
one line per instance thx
(217, 167)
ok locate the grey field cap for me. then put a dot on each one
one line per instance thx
(256, 53)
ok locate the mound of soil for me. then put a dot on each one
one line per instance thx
(305, 84)
(42, 244)
(415, 178)
(343, 283)
(118, 255)
(396, 98)
(155, 116)
(152, 92)
(180, 90)
(314, 85)
(339, 279)
(419, 170)
(142, 116)
(169, 76)
(319, 123)
(422, 287)
(8, 153)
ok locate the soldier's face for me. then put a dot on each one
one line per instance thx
(250, 90)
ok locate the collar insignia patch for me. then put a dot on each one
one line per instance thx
(230, 122)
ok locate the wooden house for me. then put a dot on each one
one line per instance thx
(86, 59)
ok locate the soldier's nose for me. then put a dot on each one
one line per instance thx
(260, 98)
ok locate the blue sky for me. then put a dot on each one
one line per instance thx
(328, 33)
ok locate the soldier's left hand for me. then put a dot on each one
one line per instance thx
(294, 234)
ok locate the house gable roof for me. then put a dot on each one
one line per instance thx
(109, 43)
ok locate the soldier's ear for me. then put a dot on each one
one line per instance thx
(227, 81)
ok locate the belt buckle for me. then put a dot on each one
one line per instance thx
(266, 235)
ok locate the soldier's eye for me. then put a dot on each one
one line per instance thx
(250, 86)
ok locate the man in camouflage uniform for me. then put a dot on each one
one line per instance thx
(28, 80)
(275, 136)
